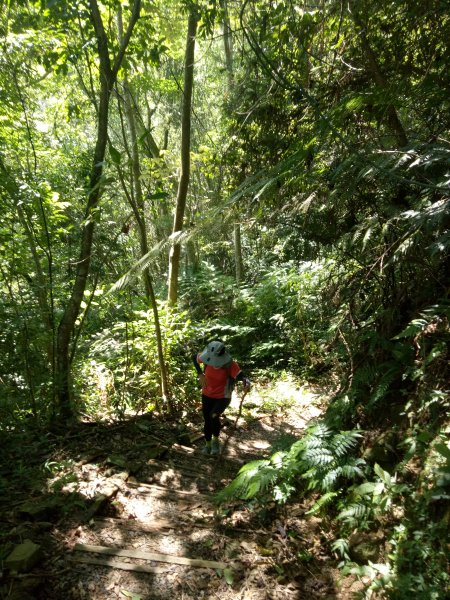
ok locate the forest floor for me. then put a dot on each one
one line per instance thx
(127, 510)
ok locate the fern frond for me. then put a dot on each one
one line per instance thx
(343, 442)
(383, 385)
(252, 479)
(353, 513)
(321, 430)
(318, 456)
(353, 468)
(297, 449)
(253, 466)
(137, 268)
(365, 376)
(321, 458)
(330, 478)
(321, 502)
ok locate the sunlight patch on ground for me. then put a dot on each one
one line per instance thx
(282, 409)
(140, 508)
(280, 395)
(170, 545)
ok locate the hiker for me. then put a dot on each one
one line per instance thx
(217, 380)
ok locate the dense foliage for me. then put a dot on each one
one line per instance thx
(316, 236)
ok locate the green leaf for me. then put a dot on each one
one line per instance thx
(365, 488)
(383, 475)
(228, 575)
(412, 329)
(131, 595)
(158, 196)
(116, 156)
(443, 449)
(378, 489)
(117, 460)
(355, 103)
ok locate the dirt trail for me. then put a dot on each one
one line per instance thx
(166, 513)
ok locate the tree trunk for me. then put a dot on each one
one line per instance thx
(137, 204)
(138, 208)
(108, 75)
(228, 49)
(175, 251)
(227, 44)
(238, 253)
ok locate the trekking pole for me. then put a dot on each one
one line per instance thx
(241, 403)
(234, 427)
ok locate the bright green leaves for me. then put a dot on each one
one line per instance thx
(321, 457)
(356, 103)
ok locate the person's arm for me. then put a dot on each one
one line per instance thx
(196, 364)
(201, 375)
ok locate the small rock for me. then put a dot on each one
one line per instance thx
(365, 546)
(23, 558)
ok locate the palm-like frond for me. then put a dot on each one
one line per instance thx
(355, 513)
(324, 500)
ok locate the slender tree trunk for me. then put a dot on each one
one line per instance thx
(228, 49)
(227, 43)
(175, 251)
(238, 253)
(108, 75)
(138, 208)
(137, 204)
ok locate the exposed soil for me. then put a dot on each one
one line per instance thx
(144, 485)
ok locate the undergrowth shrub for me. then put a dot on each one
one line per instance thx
(403, 378)
(276, 321)
(321, 460)
(207, 292)
(414, 518)
(281, 321)
(121, 371)
(408, 387)
(403, 383)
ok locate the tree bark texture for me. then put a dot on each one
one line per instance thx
(227, 43)
(175, 251)
(238, 253)
(228, 49)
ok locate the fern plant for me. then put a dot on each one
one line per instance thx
(322, 458)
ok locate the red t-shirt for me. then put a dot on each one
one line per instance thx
(216, 379)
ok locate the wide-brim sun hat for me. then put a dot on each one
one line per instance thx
(215, 354)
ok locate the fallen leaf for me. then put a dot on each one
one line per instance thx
(247, 547)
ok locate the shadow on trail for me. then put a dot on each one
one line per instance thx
(54, 491)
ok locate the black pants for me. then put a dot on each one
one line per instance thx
(212, 409)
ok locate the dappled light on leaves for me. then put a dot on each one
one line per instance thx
(308, 147)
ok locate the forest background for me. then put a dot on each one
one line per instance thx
(275, 174)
